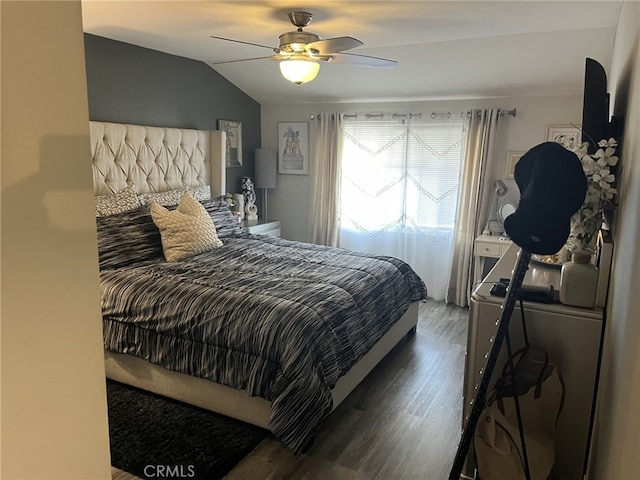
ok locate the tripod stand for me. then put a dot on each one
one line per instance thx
(541, 225)
(508, 305)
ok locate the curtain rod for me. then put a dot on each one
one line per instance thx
(501, 112)
(374, 115)
(512, 112)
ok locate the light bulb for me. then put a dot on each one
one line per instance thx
(299, 71)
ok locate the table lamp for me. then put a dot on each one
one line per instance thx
(265, 173)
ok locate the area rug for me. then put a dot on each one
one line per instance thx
(154, 437)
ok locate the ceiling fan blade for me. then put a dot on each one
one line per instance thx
(334, 45)
(246, 43)
(362, 60)
(236, 61)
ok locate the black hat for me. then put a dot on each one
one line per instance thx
(552, 188)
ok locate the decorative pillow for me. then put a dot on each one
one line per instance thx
(201, 193)
(128, 238)
(185, 231)
(170, 197)
(123, 201)
(173, 197)
(224, 221)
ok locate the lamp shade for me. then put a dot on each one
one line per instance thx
(265, 167)
(299, 71)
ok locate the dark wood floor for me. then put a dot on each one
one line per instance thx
(401, 423)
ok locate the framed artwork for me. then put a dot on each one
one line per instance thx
(567, 135)
(233, 129)
(293, 147)
(512, 159)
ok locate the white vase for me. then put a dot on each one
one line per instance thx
(239, 199)
(579, 281)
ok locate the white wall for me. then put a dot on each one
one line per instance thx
(617, 432)
(289, 202)
(53, 404)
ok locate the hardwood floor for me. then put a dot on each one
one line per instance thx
(402, 422)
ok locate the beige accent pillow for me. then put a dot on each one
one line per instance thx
(186, 231)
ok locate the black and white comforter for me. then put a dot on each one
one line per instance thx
(279, 319)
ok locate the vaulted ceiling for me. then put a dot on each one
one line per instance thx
(444, 49)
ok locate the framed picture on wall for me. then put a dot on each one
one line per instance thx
(512, 159)
(293, 147)
(233, 129)
(567, 135)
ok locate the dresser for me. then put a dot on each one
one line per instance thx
(571, 337)
(262, 227)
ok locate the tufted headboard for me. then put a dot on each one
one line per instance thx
(156, 159)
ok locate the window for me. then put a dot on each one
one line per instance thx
(399, 195)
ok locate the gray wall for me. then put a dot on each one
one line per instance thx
(616, 432)
(131, 84)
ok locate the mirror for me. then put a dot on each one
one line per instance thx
(506, 210)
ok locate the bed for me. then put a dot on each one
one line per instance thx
(266, 330)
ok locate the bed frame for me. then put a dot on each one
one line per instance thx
(158, 159)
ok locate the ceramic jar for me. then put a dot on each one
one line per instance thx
(579, 281)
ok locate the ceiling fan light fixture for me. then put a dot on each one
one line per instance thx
(299, 71)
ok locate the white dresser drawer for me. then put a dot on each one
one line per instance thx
(485, 249)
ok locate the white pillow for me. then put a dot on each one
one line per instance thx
(186, 231)
(123, 201)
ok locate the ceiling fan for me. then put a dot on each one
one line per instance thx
(300, 52)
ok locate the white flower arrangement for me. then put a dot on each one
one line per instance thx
(231, 202)
(588, 220)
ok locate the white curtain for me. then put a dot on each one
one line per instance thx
(476, 195)
(400, 182)
(325, 179)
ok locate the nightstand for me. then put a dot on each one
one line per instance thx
(262, 227)
(487, 246)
